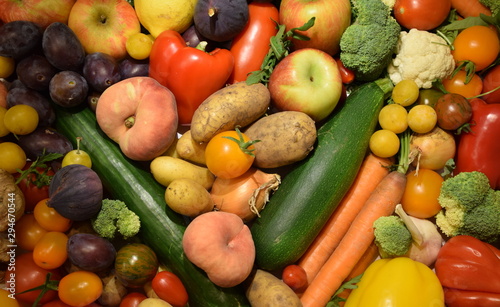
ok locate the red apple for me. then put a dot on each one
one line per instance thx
(42, 12)
(307, 80)
(104, 25)
(332, 18)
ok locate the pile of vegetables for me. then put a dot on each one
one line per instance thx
(393, 196)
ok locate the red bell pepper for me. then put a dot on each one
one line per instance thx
(251, 45)
(468, 270)
(478, 149)
(189, 72)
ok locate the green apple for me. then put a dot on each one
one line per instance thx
(306, 80)
(42, 12)
(104, 25)
(332, 18)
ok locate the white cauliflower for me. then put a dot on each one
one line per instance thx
(421, 56)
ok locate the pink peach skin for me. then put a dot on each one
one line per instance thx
(42, 12)
(220, 244)
(153, 109)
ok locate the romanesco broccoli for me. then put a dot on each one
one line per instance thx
(470, 207)
(392, 237)
(367, 45)
(114, 217)
(493, 5)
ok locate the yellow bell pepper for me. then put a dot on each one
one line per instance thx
(397, 282)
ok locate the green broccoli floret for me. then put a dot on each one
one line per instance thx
(493, 5)
(470, 207)
(114, 217)
(392, 237)
(367, 45)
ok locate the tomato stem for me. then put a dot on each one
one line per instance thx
(45, 287)
(244, 146)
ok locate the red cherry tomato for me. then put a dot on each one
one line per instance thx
(170, 288)
(132, 299)
(295, 277)
(491, 82)
(28, 275)
(35, 185)
(421, 14)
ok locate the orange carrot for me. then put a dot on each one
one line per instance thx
(467, 8)
(356, 241)
(368, 257)
(372, 171)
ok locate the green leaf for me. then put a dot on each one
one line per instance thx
(348, 285)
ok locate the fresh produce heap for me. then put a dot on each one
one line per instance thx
(242, 153)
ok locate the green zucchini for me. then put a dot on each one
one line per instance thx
(312, 190)
(162, 229)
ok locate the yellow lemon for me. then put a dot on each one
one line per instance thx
(160, 15)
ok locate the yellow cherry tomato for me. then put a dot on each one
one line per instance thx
(21, 119)
(7, 66)
(3, 130)
(384, 143)
(12, 157)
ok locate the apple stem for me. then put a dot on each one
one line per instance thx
(129, 122)
(78, 139)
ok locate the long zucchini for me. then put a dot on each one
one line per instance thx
(309, 194)
(162, 229)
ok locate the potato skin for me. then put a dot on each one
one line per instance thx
(166, 169)
(265, 289)
(238, 104)
(188, 197)
(285, 138)
(190, 150)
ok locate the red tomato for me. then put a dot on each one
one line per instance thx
(251, 45)
(491, 82)
(35, 185)
(226, 158)
(295, 277)
(478, 44)
(80, 288)
(132, 299)
(457, 84)
(421, 193)
(421, 14)
(28, 275)
(170, 288)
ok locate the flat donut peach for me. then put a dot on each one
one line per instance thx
(140, 115)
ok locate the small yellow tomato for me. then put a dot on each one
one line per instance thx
(384, 143)
(139, 45)
(12, 157)
(405, 92)
(3, 130)
(21, 119)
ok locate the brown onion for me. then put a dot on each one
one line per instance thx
(433, 149)
(245, 195)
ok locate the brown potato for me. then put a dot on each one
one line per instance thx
(238, 104)
(190, 150)
(285, 137)
(265, 289)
